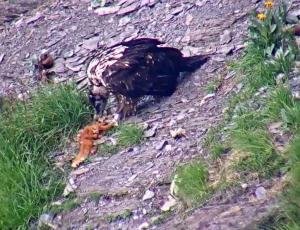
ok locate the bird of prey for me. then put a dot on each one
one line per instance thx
(132, 69)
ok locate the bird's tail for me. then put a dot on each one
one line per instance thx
(190, 64)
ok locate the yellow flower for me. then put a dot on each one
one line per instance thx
(269, 4)
(261, 16)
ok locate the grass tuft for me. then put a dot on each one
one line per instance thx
(127, 135)
(30, 131)
(191, 183)
(259, 154)
(66, 206)
(95, 196)
(292, 195)
(270, 50)
(213, 86)
(122, 215)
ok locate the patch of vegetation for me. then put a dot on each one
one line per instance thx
(270, 51)
(119, 216)
(212, 86)
(248, 134)
(217, 150)
(157, 220)
(66, 206)
(263, 100)
(126, 135)
(291, 197)
(95, 196)
(31, 130)
(274, 221)
(213, 141)
(258, 153)
(284, 108)
(191, 183)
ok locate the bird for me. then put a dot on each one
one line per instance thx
(132, 69)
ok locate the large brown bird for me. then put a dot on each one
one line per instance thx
(132, 69)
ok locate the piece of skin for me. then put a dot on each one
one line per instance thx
(86, 138)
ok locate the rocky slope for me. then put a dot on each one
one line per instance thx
(70, 31)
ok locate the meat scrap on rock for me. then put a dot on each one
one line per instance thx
(87, 137)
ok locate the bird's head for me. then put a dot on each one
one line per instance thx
(98, 98)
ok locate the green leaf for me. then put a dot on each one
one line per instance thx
(273, 28)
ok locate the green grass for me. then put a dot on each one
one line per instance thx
(66, 206)
(248, 134)
(30, 131)
(275, 220)
(279, 99)
(217, 150)
(291, 196)
(258, 153)
(95, 196)
(129, 134)
(212, 86)
(283, 107)
(270, 50)
(119, 216)
(126, 135)
(162, 218)
(256, 73)
(191, 183)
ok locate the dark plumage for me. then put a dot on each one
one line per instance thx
(133, 69)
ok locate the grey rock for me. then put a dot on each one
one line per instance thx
(95, 4)
(168, 148)
(144, 3)
(279, 78)
(200, 3)
(188, 19)
(148, 195)
(1, 57)
(229, 75)
(125, 2)
(150, 132)
(260, 193)
(73, 28)
(91, 44)
(225, 37)
(296, 95)
(161, 145)
(107, 10)
(74, 68)
(177, 10)
(129, 9)
(53, 41)
(35, 18)
(46, 221)
(59, 66)
(124, 21)
(69, 54)
(144, 225)
(292, 19)
(226, 50)
(152, 2)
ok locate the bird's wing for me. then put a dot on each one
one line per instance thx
(144, 72)
(145, 42)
